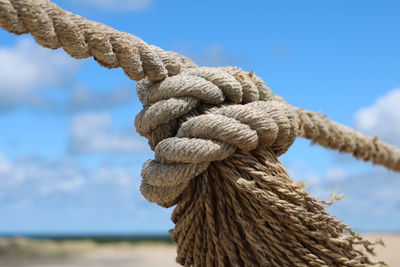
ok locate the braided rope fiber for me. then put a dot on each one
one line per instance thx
(217, 133)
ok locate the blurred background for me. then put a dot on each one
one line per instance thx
(70, 159)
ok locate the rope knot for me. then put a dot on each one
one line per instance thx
(244, 210)
(203, 115)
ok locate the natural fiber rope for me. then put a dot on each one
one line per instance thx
(216, 133)
(329, 134)
(53, 27)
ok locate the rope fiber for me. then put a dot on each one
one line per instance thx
(217, 134)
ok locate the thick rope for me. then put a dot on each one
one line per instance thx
(332, 135)
(53, 27)
(216, 133)
(245, 211)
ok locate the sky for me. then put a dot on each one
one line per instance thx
(70, 159)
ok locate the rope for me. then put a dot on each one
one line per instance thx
(332, 135)
(53, 27)
(217, 133)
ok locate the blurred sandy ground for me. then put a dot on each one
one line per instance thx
(23, 253)
(390, 253)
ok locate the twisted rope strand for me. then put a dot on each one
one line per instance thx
(321, 130)
(53, 27)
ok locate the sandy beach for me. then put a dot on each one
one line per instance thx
(23, 253)
(390, 253)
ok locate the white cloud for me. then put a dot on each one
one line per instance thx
(336, 174)
(63, 194)
(372, 199)
(65, 185)
(213, 55)
(39, 176)
(27, 67)
(84, 99)
(382, 118)
(113, 175)
(4, 164)
(216, 56)
(120, 5)
(93, 133)
(374, 192)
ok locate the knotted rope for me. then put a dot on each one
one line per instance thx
(217, 133)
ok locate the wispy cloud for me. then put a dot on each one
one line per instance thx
(113, 175)
(382, 118)
(64, 194)
(371, 198)
(372, 193)
(93, 133)
(26, 68)
(119, 5)
(31, 180)
(84, 99)
(213, 56)
(37, 176)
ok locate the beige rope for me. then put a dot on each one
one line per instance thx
(332, 135)
(216, 133)
(53, 27)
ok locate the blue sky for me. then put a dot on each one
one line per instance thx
(70, 159)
